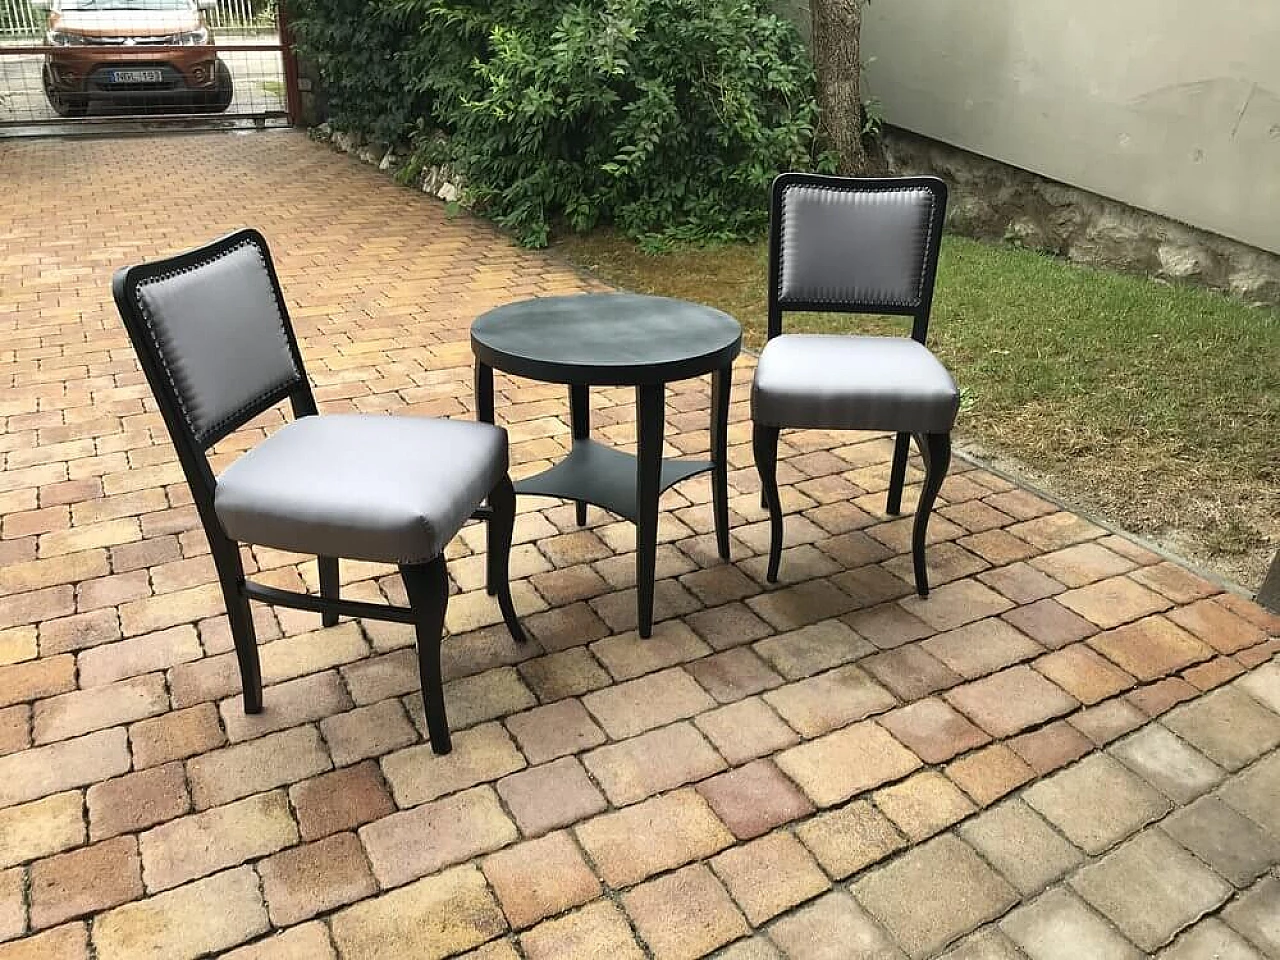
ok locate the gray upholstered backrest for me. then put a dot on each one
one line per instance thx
(220, 335)
(853, 246)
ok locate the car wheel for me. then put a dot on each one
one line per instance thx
(63, 105)
(223, 90)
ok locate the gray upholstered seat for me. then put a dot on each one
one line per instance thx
(364, 486)
(837, 382)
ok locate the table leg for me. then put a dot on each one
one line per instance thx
(649, 425)
(721, 384)
(484, 393)
(580, 417)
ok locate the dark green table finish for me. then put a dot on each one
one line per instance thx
(617, 339)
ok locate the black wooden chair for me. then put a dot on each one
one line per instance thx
(844, 245)
(214, 339)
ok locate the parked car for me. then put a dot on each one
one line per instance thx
(147, 54)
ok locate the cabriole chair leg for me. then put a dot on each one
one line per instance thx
(898, 474)
(935, 448)
(494, 571)
(764, 444)
(427, 585)
(226, 558)
(328, 588)
(502, 520)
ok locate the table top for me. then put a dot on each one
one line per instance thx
(606, 339)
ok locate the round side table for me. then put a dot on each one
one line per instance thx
(617, 339)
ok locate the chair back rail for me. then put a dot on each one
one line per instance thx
(854, 245)
(215, 342)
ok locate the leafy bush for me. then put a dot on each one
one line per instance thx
(666, 117)
(356, 47)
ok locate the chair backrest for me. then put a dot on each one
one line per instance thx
(855, 245)
(214, 339)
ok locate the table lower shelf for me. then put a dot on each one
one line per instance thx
(600, 475)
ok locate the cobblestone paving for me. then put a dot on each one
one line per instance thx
(1069, 750)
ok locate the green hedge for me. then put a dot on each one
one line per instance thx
(667, 118)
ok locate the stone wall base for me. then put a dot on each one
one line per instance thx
(438, 181)
(993, 200)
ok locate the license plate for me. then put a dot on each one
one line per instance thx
(136, 76)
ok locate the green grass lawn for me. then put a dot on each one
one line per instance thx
(1156, 406)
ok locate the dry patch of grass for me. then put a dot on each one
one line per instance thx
(1155, 406)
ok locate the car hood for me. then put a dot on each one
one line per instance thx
(125, 23)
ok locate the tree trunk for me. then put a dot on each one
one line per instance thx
(1269, 592)
(836, 27)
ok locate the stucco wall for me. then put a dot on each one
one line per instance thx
(1172, 106)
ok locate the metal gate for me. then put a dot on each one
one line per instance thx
(70, 64)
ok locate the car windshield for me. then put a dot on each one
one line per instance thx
(125, 5)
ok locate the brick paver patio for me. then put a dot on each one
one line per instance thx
(1070, 750)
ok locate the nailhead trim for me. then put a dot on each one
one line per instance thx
(212, 428)
(826, 188)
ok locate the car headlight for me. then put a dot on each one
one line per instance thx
(56, 38)
(193, 39)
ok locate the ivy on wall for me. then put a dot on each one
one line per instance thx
(667, 118)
